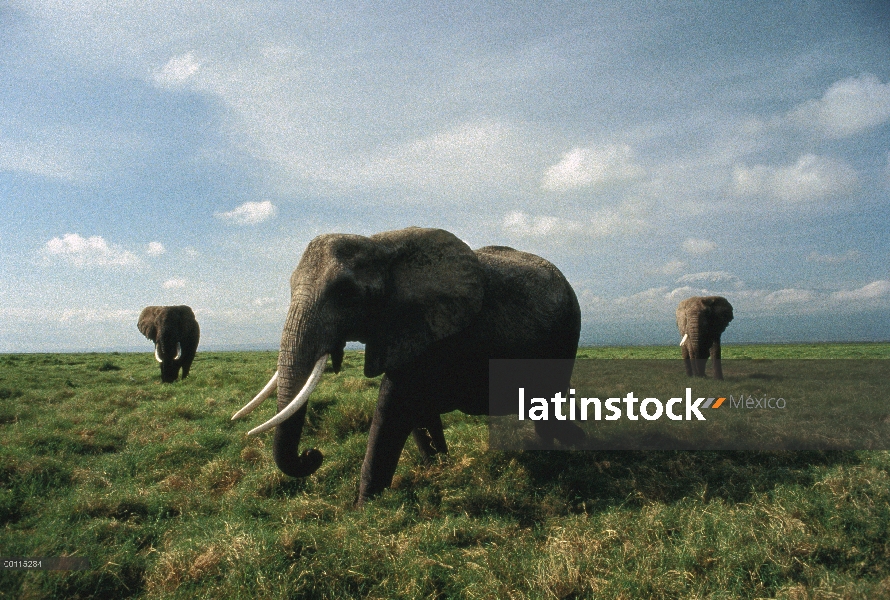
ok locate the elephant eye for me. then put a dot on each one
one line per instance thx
(343, 291)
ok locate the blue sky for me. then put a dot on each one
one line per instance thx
(167, 153)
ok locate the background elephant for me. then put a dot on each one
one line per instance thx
(175, 333)
(702, 320)
(431, 312)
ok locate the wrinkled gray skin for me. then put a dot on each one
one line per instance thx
(174, 331)
(431, 312)
(703, 319)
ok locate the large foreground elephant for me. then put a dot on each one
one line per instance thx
(701, 321)
(175, 333)
(431, 313)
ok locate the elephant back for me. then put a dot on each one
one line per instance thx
(528, 305)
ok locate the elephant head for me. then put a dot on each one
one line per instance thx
(175, 333)
(701, 321)
(398, 292)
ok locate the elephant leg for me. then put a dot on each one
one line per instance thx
(189, 351)
(567, 432)
(718, 366)
(430, 439)
(424, 444)
(437, 433)
(389, 432)
(187, 364)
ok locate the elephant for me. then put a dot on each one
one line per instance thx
(175, 333)
(701, 321)
(431, 313)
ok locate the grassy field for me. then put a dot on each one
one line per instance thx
(168, 498)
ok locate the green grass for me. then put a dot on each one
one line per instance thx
(168, 498)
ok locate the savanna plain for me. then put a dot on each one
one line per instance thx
(168, 498)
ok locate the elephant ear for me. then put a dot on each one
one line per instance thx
(681, 318)
(720, 310)
(147, 324)
(433, 289)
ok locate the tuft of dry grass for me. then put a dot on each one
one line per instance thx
(358, 384)
(176, 483)
(219, 476)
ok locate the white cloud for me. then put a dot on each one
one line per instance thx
(174, 284)
(456, 162)
(672, 267)
(871, 291)
(748, 302)
(103, 315)
(651, 300)
(684, 292)
(698, 246)
(721, 277)
(802, 301)
(617, 221)
(287, 107)
(264, 301)
(155, 249)
(93, 251)
(42, 159)
(62, 315)
(811, 178)
(522, 224)
(249, 213)
(607, 222)
(834, 259)
(177, 71)
(849, 106)
(652, 296)
(789, 296)
(583, 167)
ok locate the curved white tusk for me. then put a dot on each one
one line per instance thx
(298, 402)
(258, 399)
(178, 352)
(157, 356)
(685, 335)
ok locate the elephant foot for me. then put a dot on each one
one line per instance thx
(305, 464)
(570, 435)
(566, 433)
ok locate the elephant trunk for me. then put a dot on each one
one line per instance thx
(167, 353)
(698, 354)
(300, 361)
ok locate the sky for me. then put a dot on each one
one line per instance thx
(186, 153)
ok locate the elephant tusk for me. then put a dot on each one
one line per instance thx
(298, 402)
(157, 355)
(178, 352)
(685, 335)
(264, 393)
